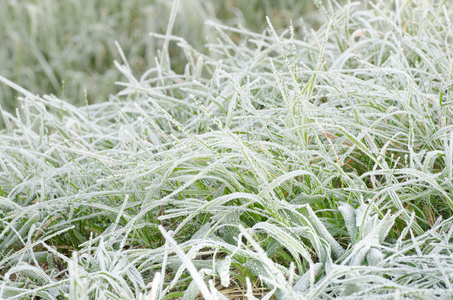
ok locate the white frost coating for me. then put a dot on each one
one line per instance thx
(360, 214)
(349, 217)
(189, 265)
(374, 257)
(223, 269)
(337, 250)
(305, 281)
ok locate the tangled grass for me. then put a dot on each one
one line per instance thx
(301, 165)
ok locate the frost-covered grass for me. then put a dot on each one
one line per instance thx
(302, 165)
(64, 47)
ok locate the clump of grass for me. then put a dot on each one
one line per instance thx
(289, 166)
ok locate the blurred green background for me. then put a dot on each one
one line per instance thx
(48, 42)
